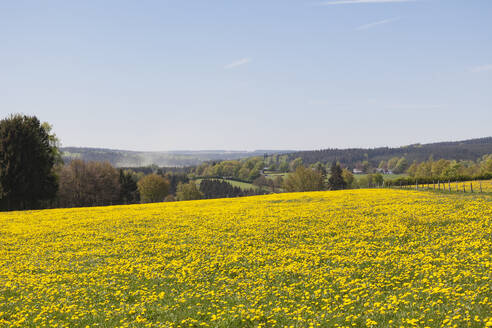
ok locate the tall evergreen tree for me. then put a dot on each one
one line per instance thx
(27, 157)
(321, 169)
(336, 181)
(128, 188)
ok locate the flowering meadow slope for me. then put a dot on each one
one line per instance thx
(364, 258)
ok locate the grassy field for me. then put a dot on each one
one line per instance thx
(355, 258)
(387, 177)
(271, 174)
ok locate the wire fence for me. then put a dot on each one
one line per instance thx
(477, 186)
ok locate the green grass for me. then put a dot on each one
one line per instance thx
(387, 177)
(272, 175)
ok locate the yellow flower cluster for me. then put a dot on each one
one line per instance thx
(476, 186)
(360, 258)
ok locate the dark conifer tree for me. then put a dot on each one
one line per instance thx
(27, 157)
(175, 179)
(336, 181)
(128, 189)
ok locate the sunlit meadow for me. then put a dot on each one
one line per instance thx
(364, 258)
(483, 186)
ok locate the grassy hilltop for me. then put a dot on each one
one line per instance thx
(356, 258)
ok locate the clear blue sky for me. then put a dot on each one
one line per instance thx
(269, 74)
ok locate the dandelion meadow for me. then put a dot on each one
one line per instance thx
(356, 258)
(467, 186)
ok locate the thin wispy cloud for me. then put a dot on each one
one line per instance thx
(377, 104)
(374, 24)
(415, 106)
(237, 63)
(351, 2)
(483, 68)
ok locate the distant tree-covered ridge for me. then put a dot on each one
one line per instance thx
(127, 158)
(377, 160)
(472, 149)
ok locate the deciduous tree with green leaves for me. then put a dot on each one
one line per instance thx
(153, 188)
(304, 179)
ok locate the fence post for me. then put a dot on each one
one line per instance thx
(464, 188)
(480, 186)
(471, 187)
(449, 186)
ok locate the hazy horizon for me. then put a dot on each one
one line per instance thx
(303, 75)
(261, 149)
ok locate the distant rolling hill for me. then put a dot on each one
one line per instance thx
(126, 158)
(472, 149)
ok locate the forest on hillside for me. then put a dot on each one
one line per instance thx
(178, 158)
(467, 150)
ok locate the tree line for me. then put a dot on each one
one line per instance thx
(447, 170)
(33, 175)
(314, 179)
(214, 188)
